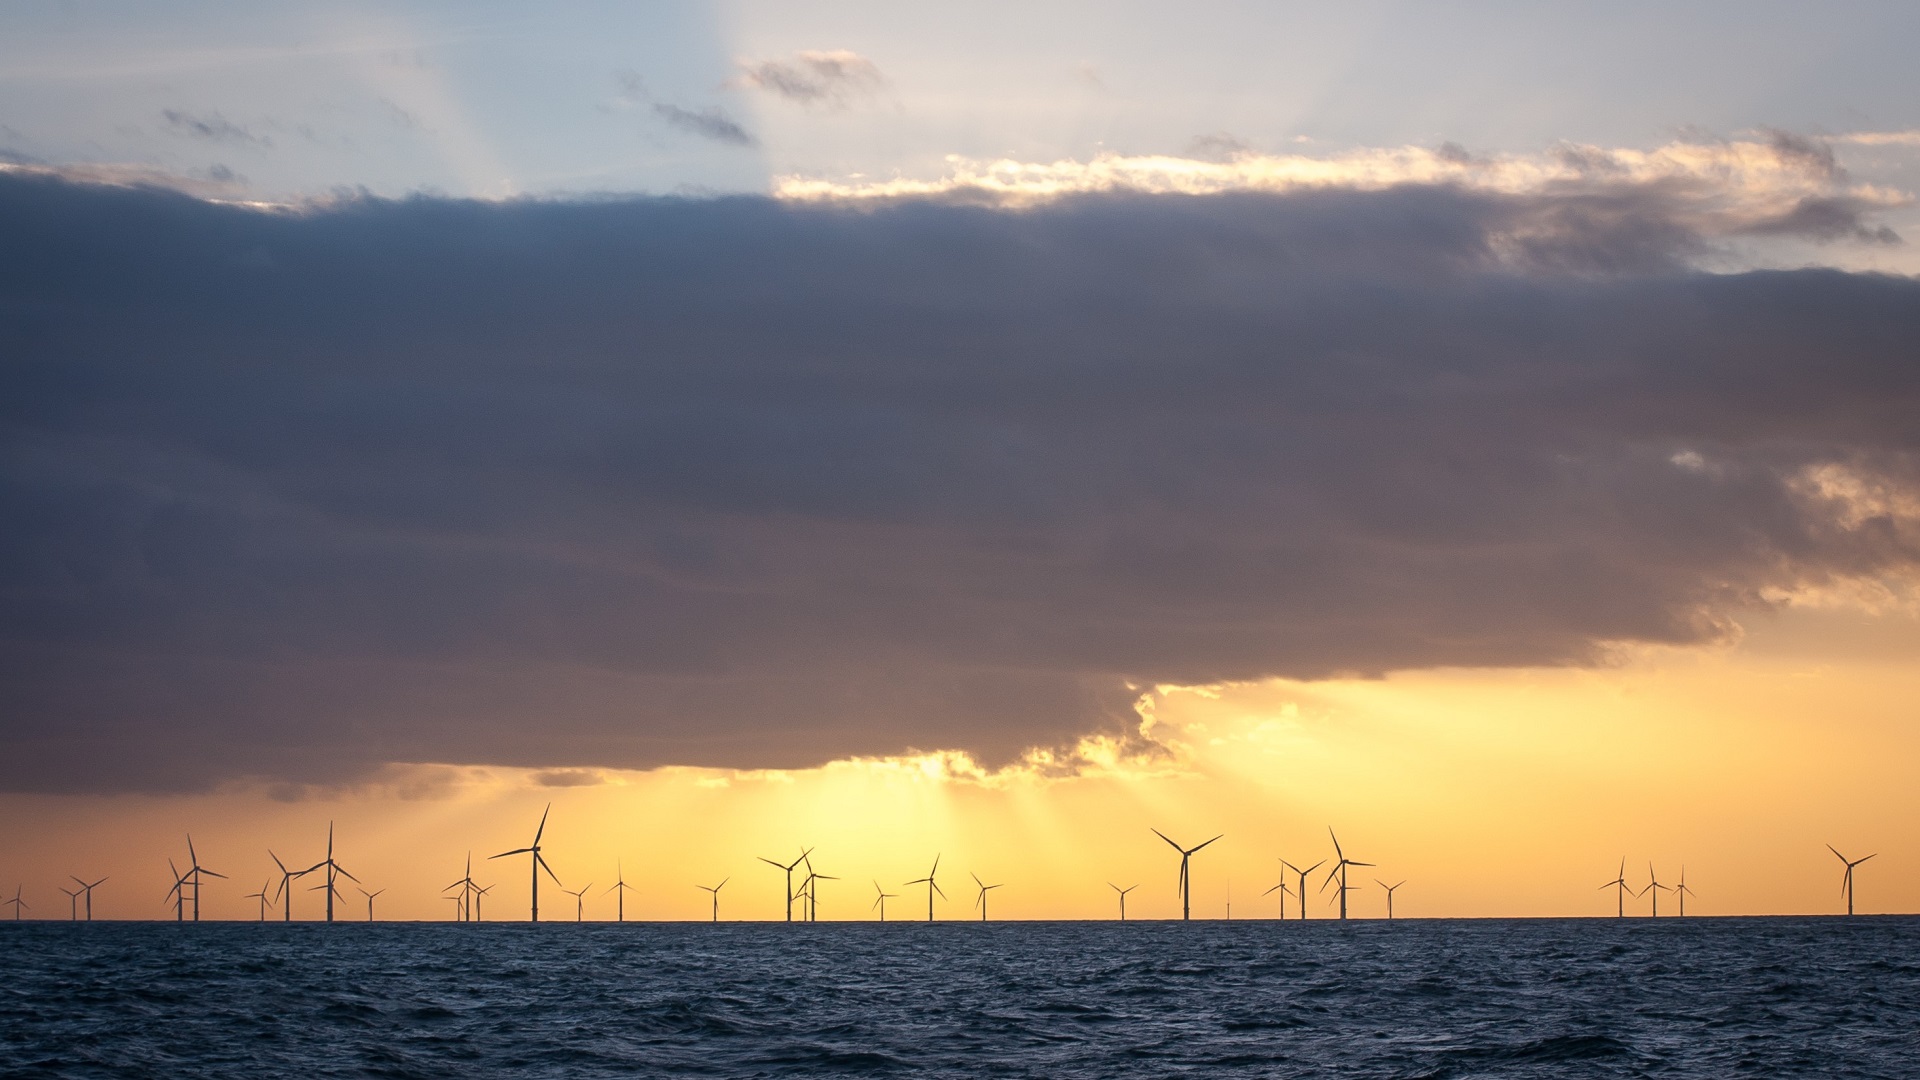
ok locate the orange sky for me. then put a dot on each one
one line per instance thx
(1491, 792)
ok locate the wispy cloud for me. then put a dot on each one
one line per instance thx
(833, 79)
(709, 123)
(212, 127)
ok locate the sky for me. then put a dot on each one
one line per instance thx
(995, 432)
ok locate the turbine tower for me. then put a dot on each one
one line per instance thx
(1123, 897)
(334, 873)
(620, 889)
(539, 863)
(466, 886)
(262, 896)
(1846, 880)
(1619, 884)
(195, 872)
(1653, 886)
(89, 887)
(73, 903)
(286, 885)
(579, 901)
(932, 886)
(1282, 890)
(811, 888)
(788, 868)
(981, 901)
(1681, 889)
(1300, 893)
(715, 890)
(177, 894)
(1390, 889)
(1186, 882)
(16, 902)
(370, 896)
(1340, 868)
(880, 900)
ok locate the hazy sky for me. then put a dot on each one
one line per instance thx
(1487, 429)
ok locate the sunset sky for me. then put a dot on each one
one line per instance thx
(999, 430)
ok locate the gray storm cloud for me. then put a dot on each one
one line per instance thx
(738, 482)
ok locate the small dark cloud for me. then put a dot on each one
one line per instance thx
(212, 127)
(568, 778)
(1809, 153)
(1218, 146)
(833, 79)
(710, 123)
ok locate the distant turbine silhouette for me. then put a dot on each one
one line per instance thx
(177, 894)
(194, 872)
(539, 863)
(1846, 881)
(370, 896)
(459, 907)
(880, 900)
(89, 887)
(467, 886)
(579, 901)
(1390, 889)
(1619, 884)
(811, 889)
(932, 886)
(334, 873)
(73, 903)
(619, 888)
(1681, 889)
(789, 869)
(479, 894)
(1186, 882)
(262, 895)
(1123, 897)
(286, 885)
(17, 903)
(981, 901)
(1653, 886)
(1340, 868)
(1300, 893)
(1282, 890)
(715, 890)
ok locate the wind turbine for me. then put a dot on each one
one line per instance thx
(619, 888)
(1186, 883)
(812, 890)
(1681, 889)
(334, 872)
(981, 901)
(579, 901)
(459, 907)
(932, 886)
(880, 900)
(89, 887)
(177, 894)
(73, 903)
(194, 872)
(1846, 881)
(1389, 889)
(17, 903)
(370, 896)
(479, 894)
(789, 868)
(539, 862)
(1619, 883)
(1340, 868)
(1283, 891)
(466, 887)
(1653, 886)
(1123, 897)
(262, 895)
(286, 885)
(715, 890)
(1300, 894)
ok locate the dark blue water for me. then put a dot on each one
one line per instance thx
(1695, 997)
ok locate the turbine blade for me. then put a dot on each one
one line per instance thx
(537, 833)
(1168, 839)
(543, 865)
(1204, 845)
(515, 851)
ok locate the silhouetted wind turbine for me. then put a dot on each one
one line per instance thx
(286, 885)
(619, 889)
(459, 907)
(1123, 897)
(479, 894)
(1390, 889)
(811, 887)
(1619, 883)
(1186, 883)
(539, 862)
(1300, 894)
(715, 890)
(981, 901)
(73, 903)
(195, 872)
(177, 894)
(89, 887)
(880, 900)
(370, 896)
(17, 903)
(932, 886)
(788, 868)
(1340, 868)
(1654, 887)
(1846, 882)
(579, 901)
(1282, 890)
(334, 872)
(466, 887)
(262, 895)
(1681, 889)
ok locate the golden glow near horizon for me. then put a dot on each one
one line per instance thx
(1494, 793)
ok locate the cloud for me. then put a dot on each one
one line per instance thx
(747, 483)
(212, 127)
(834, 79)
(712, 123)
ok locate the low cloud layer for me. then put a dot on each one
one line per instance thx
(757, 483)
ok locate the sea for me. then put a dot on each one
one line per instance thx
(1693, 997)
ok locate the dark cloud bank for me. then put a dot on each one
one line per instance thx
(738, 483)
